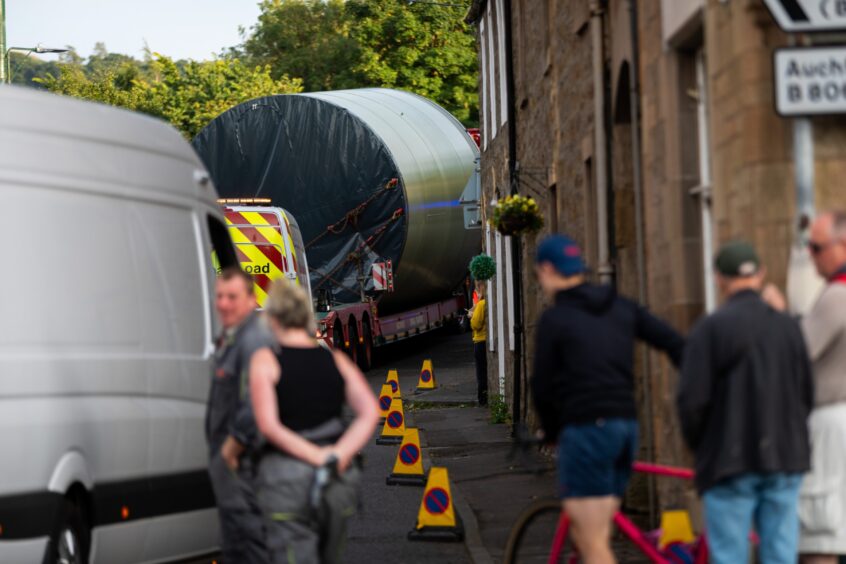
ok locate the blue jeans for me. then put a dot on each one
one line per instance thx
(767, 501)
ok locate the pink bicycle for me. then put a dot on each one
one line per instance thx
(544, 520)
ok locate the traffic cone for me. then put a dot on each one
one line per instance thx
(427, 377)
(393, 382)
(408, 469)
(394, 428)
(437, 519)
(385, 398)
(675, 528)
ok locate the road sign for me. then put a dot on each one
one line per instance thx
(808, 15)
(810, 81)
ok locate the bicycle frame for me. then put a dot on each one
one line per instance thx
(629, 529)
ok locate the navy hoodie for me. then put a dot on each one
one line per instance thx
(585, 352)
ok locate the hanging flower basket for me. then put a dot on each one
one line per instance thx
(515, 215)
(482, 267)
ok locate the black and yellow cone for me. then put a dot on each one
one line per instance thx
(394, 428)
(393, 382)
(426, 381)
(437, 519)
(408, 469)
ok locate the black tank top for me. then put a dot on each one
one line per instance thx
(310, 390)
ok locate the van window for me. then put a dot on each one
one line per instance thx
(169, 270)
(69, 282)
(299, 250)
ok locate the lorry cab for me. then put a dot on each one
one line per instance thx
(268, 243)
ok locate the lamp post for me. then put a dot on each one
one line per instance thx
(40, 49)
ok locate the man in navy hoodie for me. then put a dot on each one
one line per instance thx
(583, 388)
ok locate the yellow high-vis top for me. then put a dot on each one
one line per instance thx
(478, 323)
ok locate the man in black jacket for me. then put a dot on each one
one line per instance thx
(744, 399)
(583, 389)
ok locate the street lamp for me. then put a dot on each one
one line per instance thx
(40, 49)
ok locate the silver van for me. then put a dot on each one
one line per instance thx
(107, 230)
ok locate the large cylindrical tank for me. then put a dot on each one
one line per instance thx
(370, 175)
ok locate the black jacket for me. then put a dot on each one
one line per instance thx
(746, 392)
(584, 356)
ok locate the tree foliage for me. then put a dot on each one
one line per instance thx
(332, 44)
(188, 94)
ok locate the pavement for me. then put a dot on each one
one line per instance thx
(489, 489)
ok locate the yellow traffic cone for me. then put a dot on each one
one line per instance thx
(385, 398)
(394, 428)
(427, 377)
(408, 469)
(393, 382)
(675, 527)
(437, 519)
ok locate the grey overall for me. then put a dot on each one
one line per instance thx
(230, 413)
(297, 532)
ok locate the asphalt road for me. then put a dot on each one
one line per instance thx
(388, 513)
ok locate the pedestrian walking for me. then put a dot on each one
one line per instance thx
(230, 427)
(822, 502)
(307, 479)
(479, 326)
(744, 398)
(583, 388)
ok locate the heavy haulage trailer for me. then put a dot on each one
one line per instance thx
(373, 193)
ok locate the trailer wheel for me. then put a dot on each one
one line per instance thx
(338, 337)
(352, 350)
(365, 349)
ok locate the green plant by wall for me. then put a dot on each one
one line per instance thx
(498, 409)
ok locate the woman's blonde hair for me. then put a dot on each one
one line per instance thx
(288, 305)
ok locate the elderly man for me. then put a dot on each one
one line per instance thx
(744, 397)
(822, 505)
(230, 427)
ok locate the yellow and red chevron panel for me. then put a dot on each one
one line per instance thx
(260, 247)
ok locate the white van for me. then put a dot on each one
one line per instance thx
(106, 323)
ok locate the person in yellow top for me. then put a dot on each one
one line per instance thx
(479, 326)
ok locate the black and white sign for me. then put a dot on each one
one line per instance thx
(809, 15)
(810, 81)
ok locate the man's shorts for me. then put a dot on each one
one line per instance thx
(595, 459)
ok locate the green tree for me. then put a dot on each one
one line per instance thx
(188, 94)
(307, 39)
(333, 44)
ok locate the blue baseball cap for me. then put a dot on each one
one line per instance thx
(563, 253)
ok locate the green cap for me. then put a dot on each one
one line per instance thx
(737, 259)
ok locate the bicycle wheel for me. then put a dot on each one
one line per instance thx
(532, 536)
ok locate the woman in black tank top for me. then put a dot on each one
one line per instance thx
(298, 392)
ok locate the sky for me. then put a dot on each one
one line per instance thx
(181, 29)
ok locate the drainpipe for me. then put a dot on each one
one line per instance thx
(634, 109)
(605, 270)
(516, 247)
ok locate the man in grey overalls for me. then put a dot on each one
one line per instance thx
(230, 426)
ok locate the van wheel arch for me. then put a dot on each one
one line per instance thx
(70, 540)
